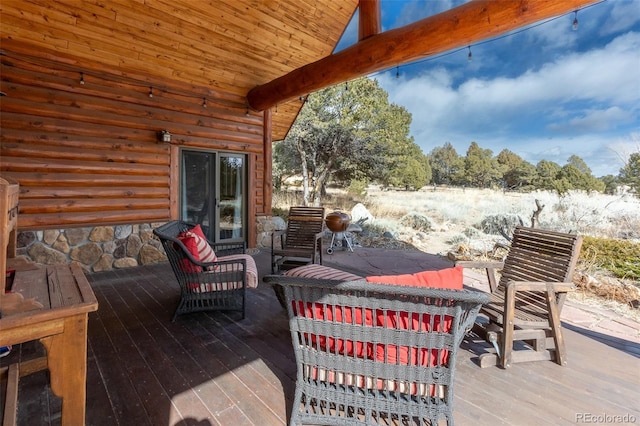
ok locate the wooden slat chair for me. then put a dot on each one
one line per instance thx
(301, 242)
(374, 354)
(208, 286)
(524, 310)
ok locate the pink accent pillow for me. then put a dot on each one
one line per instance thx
(450, 278)
(197, 244)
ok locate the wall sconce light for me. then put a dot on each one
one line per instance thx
(165, 136)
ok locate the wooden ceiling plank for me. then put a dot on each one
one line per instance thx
(202, 15)
(41, 13)
(256, 28)
(86, 10)
(257, 40)
(39, 39)
(99, 35)
(344, 9)
(461, 26)
(183, 39)
(64, 62)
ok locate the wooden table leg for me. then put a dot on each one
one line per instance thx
(67, 361)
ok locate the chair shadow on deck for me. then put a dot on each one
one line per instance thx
(629, 347)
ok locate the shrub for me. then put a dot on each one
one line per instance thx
(458, 239)
(357, 188)
(416, 221)
(620, 257)
(377, 228)
(472, 233)
(281, 212)
(493, 224)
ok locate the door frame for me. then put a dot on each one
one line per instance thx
(214, 234)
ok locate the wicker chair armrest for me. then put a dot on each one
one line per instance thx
(220, 262)
(287, 280)
(468, 295)
(219, 274)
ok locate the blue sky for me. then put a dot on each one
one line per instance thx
(545, 93)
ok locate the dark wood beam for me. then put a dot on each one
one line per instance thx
(461, 26)
(368, 18)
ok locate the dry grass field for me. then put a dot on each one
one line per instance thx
(595, 214)
(457, 214)
(455, 217)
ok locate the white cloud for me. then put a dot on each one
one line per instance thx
(595, 120)
(608, 74)
(573, 103)
(624, 14)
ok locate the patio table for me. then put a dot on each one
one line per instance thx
(61, 326)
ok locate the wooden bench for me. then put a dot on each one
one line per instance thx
(50, 304)
(60, 324)
(9, 193)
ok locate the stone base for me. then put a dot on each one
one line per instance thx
(99, 248)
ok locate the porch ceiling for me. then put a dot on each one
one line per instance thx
(271, 50)
(226, 45)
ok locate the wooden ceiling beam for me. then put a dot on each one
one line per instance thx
(458, 27)
(368, 18)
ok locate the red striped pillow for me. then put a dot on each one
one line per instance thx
(197, 244)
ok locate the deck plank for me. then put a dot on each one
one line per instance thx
(214, 369)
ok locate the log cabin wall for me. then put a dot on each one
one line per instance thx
(83, 142)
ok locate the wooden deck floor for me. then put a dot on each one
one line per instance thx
(211, 369)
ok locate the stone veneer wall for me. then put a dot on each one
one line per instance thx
(99, 248)
(103, 248)
(265, 226)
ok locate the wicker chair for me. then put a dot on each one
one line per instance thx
(301, 242)
(523, 316)
(219, 285)
(361, 361)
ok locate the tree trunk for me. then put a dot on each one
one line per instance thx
(535, 218)
(305, 174)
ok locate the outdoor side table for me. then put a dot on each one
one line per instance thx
(61, 326)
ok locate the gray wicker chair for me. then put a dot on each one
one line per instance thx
(226, 287)
(361, 361)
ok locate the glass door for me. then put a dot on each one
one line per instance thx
(213, 193)
(232, 189)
